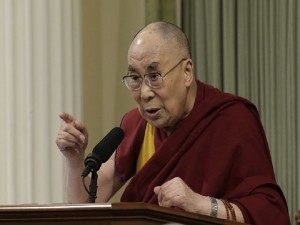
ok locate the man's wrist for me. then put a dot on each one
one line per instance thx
(214, 207)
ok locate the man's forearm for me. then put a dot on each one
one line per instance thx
(74, 186)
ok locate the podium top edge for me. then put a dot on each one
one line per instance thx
(55, 206)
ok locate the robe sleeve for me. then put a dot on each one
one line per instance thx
(249, 170)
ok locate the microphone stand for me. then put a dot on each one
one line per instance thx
(93, 187)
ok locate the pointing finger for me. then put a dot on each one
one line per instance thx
(67, 117)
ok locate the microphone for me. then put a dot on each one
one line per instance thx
(102, 151)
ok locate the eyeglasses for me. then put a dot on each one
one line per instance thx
(153, 80)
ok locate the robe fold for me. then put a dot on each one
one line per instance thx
(219, 149)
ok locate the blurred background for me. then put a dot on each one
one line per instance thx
(70, 55)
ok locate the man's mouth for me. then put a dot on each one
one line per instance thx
(152, 113)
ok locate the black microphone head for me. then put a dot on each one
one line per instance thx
(105, 148)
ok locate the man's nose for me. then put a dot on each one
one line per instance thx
(146, 91)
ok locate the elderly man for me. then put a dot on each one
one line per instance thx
(187, 145)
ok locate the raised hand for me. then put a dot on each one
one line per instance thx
(72, 138)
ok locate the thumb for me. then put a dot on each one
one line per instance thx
(156, 189)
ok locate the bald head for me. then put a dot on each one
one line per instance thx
(168, 33)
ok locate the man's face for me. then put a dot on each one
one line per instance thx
(166, 106)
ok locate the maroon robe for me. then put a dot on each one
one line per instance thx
(219, 150)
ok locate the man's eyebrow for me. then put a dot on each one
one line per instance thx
(153, 66)
(131, 69)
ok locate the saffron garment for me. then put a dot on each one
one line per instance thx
(147, 149)
(219, 150)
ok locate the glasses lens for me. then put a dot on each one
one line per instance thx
(153, 80)
(132, 82)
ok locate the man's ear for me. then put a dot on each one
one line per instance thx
(188, 72)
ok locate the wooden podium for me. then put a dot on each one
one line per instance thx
(101, 214)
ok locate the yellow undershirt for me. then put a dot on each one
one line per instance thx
(147, 149)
